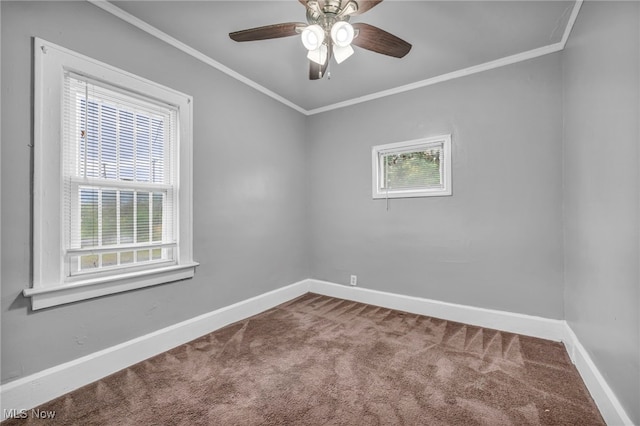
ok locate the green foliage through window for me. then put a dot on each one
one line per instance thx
(417, 169)
(112, 217)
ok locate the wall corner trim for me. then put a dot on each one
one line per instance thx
(602, 394)
(572, 20)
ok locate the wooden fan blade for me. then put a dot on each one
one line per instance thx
(316, 71)
(304, 2)
(320, 3)
(379, 41)
(267, 32)
(364, 5)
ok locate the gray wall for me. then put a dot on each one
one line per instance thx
(601, 109)
(497, 242)
(248, 197)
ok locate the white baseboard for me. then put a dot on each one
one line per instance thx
(38, 388)
(528, 325)
(544, 328)
(31, 391)
(602, 394)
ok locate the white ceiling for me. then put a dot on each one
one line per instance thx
(447, 36)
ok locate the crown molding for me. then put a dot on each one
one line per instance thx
(139, 23)
(572, 20)
(508, 60)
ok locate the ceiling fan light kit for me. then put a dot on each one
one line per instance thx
(342, 53)
(329, 34)
(312, 37)
(319, 55)
(342, 33)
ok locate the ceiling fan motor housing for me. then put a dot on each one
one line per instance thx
(332, 6)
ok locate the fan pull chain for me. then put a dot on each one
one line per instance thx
(386, 180)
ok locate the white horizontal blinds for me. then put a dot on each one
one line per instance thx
(120, 183)
(418, 167)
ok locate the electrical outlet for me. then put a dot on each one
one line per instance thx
(354, 280)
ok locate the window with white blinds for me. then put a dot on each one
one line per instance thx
(119, 183)
(113, 180)
(418, 168)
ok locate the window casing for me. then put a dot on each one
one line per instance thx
(112, 180)
(416, 168)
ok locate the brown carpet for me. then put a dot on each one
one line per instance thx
(319, 360)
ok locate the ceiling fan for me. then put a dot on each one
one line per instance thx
(328, 33)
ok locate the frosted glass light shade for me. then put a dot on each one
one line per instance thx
(342, 34)
(342, 53)
(312, 37)
(319, 56)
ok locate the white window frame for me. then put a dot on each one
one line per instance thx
(51, 286)
(377, 173)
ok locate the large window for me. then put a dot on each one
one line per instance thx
(112, 190)
(119, 185)
(418, 168)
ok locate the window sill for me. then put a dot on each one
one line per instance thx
(412, 194)
(87, 289)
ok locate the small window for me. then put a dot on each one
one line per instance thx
(112, 180)
(417, 168)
